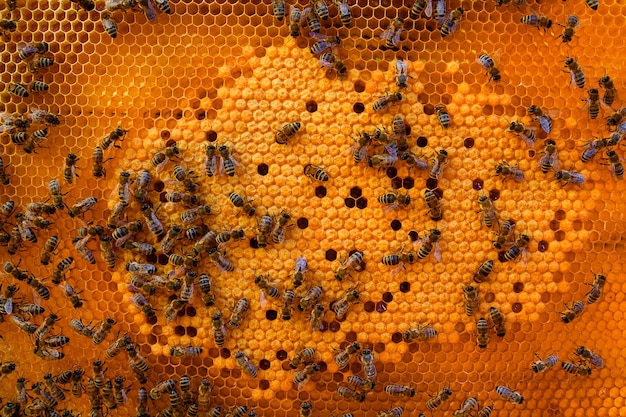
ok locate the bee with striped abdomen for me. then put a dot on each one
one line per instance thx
(244, 203)
(452, 22)
(219, 329)
(266, 289)
(387, 100)
(466, 408)
(587, 355)
(442, 115)
(278, 7)
(228, 162)
(344, 12)
(428, 243)
(185, 351)
(470, 295)
(315, 172)
(482, 274)
(610, 92)
(576, 72)
(566, 176)
(576, 369)
(542, 365)
(300, 378)
(597, 286)
(243, 362)
(340, 307)
(17, 89)
(295, 17)
(617, 168)
(287, 132)
(549, 160)
(506, 171)
(239, 312)
(527, 134)
(438, 399)
(538, 21)
(421, 333)
(572, 311)
(508, 395)
(488, 215)
(392, 34)
(325, 42)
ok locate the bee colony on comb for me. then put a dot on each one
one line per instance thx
(312, 208)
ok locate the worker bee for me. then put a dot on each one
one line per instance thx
(115, 218)
(204, 282)
(394, 199)
(164, 6)
(40, 63)
(162, 387)
(438, 164)
(117, 346)
(278, 7)
(354, 261)
(185, 178)
(321, 9)
(311, 20)
(22, 324)
(140, 301)
(466, 407)
(17, 89)
(576, 72)
(239, 312)
(498, 321)
(310, 298)
(420, 333)
(392, 34)
(569, 29)
(362, 384)
(482, 274)
(123, 5)
(399, 390)
(413, 161)
(344, 12)
(29, 309)
(382, 161)
(82, 206)
(576, 369)
(419, 6)
(218, 258)
(367, 360)
(244, 203)
(219, 329)
(80, 244)
(519, 248)
(506, 171)
(470, 294)
(434, 205)
(154, 224)
(106, 249)
(210, 160)
(287, 132)
(117, 134)
(14, 241)
(617, 168)
(295, 16)
(442, 115)
(19, 138)
(98, 373)
(306, 409)
(508, 395)
(48, 248)
(300, 269)
(587, 355)
(191, 215)
(438, 399)
(315, 172)
(428, 243)
(537, 20)
(228, 162)
(136, 358)
(300, 378)
(185, 351)
(325, 42)
(29, 50)
(72, 295)
(359, 149)
(388, 99)
(98, 161)
(504, 234)
(244, 363)
(38, 87)
(566, 176)
(399, 258)
(56, 392)
(341, 306)
(610, 92)
(541, 365)
(452, 22)
(549, 160)
(26, 233)
(350, 394)
(316, 317)
(526, 134)
(597, 286)
(142, 269)
(592, 104)
(287, 305)
(160, 159)
(266, 289)
(123, 233)
(281, 224)
(103, 331)
(34, 140)
(82, 329)
(402, 73)
(572, 311)
(60, 269)
(304, 356)
(488, 215)
(342, 356)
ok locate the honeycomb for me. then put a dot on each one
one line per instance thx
(229, 73)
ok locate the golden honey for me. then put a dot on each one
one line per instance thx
(227, 72)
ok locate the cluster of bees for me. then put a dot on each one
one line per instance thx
(110, 6)
(37, 55)
(18, 128)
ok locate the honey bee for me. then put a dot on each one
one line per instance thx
(466, 407)
(306, 409)
(505, 231)
(118, 133)
(367, 360)
(470, 294)
(14, 241)
(617, 168)
(106, 249)
(80, 244)
(112, 5)
(287, 132)
(60, 269)
(428, 243)
(244, 363)
(281, 224)
(592, 104)
(154, 224)
(566, 176)
(549, 160)
(19, 138)
(399, 258)
(164, 6)
(537, 20)
(117, 346)
(419, 6)
(72, 295)
(115, 218)
(382, 161)
(228, 162)
(576, 72)
(185, 178)
(103, 331)
(482, 274)
(341, 306)
(82, 206)
(576, 369)
(311, 19)
(592, 4)
(438, 399)
(519, 248)
(98, 160)
(442, 115)
(413, 161)
(140, 301)
(304, 356)
(29, 50)
(310, 298)
(587, 355)
(136, 359)
(38, 87)
(350, 394)
(40, 63)
(316, 317)
(344, 12)
(508, 395)
(321, 9)
(506, 171)
(571, 23)
(392, 34)
(23, 225)
(267, 289)
(278, 7)
(191, 215)
(394, 199)
(359, 149)
(17, 89)
(385, 101)
(325, 42)
(204, 282)
(420, 333)
(245, 204)
(5, 179)
(82, 329)
(315, 172)
(610, 92)
(498, 321)
(287, 305)
(541, 365)
(399, 390)
(354, 261)
(526, 134)
(142, 269)
(220, 260)
(572, 311)
(434, 205)
(438, 164)
(295, 16)
(342, 356)
(452, 22)
(185, 351)
(219, 330)
(597, 286)
(488, 215)
(239, 312)
(29, 309)
(161, 158)
(162, 387)
(22, 324)
(56, 392)
(210, 160)
(300, 378)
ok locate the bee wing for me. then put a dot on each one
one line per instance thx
(119, 242)
(527, 140)
(396, 37)
(437, 252)
(429, 8)
(390, 207)
(302, 384)
(262, 299)
(556, 164)
(544, 122)
(149, 11)
(387, 33)
(177, 272)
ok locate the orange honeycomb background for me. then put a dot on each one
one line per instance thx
(228, 72)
